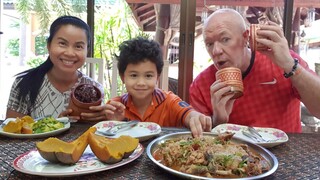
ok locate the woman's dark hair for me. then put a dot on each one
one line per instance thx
(138, 50)
(32, 79)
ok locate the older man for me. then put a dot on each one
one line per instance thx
(275, 80)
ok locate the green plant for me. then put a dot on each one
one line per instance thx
(13, 46)
(41, 45)
(45, 8)
(35, 61)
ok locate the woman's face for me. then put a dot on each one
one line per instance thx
(141, 80)
(68, 48)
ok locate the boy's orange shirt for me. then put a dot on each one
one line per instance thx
(166, 109)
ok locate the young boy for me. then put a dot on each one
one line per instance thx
(140, 65)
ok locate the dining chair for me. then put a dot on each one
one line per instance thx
(164, 77)
(94, 68)
(115, 88)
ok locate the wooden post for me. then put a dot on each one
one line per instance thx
(90, 21)
(287, 20)
(162, 36)
(186, 47)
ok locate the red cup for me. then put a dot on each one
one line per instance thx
(233, 77)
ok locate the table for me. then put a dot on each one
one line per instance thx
(299, 158)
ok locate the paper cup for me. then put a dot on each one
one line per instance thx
(255, 46)
(233, 77)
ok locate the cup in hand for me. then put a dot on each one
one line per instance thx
(231, 76)
(82, 97)
(255, 46)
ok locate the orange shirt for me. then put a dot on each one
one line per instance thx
(166, 109)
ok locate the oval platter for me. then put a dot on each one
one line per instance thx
(272, 160)
(32, 163)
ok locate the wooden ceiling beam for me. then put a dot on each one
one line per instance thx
(150, 26)
(144, 7)
(145, 15)
(257, 3)
(148, 19)
(146, 12)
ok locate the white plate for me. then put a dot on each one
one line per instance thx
(142, 131)
(275, 136)
(32, 163)
(39, 135)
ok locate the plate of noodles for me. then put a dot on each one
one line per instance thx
(213, 156)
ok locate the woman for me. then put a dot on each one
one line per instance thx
(45, 90)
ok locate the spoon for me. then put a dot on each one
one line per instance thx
(116, 128)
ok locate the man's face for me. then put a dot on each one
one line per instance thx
(225, 42)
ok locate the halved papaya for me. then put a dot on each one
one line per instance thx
(112, 151)
(56, 150)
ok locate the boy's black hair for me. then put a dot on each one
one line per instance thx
(32, 79)
(138, 50)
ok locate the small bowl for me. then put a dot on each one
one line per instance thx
(233, 77)
(255, 46)
(78, 106)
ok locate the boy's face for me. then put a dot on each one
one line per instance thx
(140, 79)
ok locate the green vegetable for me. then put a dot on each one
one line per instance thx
(46, 125)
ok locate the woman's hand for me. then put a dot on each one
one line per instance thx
(67, 113)
(111, 111)
(115, 111)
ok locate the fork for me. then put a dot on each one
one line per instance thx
(249, 135)
(112, 131)
(254, 132)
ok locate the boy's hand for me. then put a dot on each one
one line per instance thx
(115, 111)
(198, 123)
